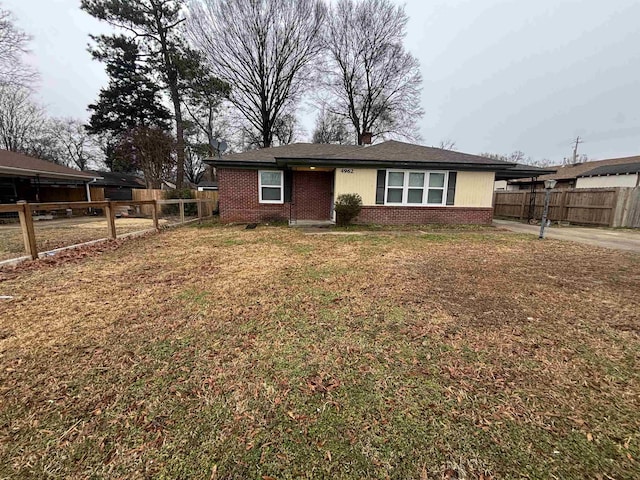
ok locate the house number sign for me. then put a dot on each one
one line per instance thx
(347, 170)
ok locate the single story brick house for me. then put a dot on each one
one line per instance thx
(400, 183)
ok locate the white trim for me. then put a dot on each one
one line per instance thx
(425, 188)
(260, 200)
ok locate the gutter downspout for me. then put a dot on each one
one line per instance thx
(88, 188)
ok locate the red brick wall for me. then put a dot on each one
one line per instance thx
(239, 201)
(387, 215)
(312, 195)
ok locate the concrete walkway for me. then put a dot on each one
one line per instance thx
(628, 240)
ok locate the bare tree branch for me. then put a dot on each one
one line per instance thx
(263, 49)
(13, 46)
(371, 78)
(21, 119)
(79, 148)
(447, 144)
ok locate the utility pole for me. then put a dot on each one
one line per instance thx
(575, 149)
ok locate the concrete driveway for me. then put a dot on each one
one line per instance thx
(628, 240)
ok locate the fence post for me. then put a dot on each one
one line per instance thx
(154, 213)
(181, 211)
(199, 209)
(28, 233)
(111, 221)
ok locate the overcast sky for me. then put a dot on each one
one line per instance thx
(499, 75)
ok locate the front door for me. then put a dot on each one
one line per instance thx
(312, 195)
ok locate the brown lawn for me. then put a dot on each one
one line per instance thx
(222, 353)
(52, 234)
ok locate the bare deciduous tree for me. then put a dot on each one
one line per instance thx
(263, 49)
(21, 119)
(287, 129)
(194, 168)
(518, 156)
(152, 152)
(75, 143)
(13, 46)
(447, 144)
(372, 80)
(330, 128)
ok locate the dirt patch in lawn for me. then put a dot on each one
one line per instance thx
(230, 353)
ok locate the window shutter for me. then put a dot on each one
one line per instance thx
(451, 187)
(288, 185)
(380, 186)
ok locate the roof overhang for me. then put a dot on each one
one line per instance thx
(337, 163)
(521, 173)
(23, 172)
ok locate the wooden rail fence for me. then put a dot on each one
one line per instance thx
(25, 211)
(607, 207)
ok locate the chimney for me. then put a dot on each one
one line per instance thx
(365, 138)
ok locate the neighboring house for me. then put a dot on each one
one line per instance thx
(567, 175)
(400, 183)
(622, 175)
(502, 183)
(116, 185)
(207, 186)
(34, 180)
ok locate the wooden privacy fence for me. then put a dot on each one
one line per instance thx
(607, 207)
(26, 210)
(156, 194)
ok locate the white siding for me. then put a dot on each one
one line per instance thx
(474, 189)
(607, 181)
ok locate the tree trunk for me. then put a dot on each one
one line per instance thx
(172, 83)
(175, 97)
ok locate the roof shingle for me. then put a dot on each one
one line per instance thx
(390, 151)
(20, 164)
(621, 169)
(569, 172)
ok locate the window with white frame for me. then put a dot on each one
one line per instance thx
(415, 187)
(271, 186)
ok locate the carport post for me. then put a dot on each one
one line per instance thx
(28, 233)
(111, 221)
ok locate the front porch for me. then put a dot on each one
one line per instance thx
(312, 196)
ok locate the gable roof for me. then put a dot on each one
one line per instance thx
(391, 153)
(570, 172)
(116, 179)
(19, 165)
(620, 169)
